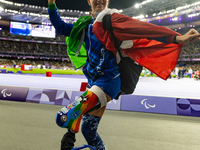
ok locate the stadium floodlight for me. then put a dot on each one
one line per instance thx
(6, 2)
(1, 9)
(138, 17)
(143, 3)
(137, 5)
(120, 11)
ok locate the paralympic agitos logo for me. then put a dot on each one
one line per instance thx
(5, 94)
(147, 106)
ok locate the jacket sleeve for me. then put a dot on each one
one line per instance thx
(167, 40)
(60, 26)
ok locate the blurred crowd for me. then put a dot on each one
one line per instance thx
(190, 51)
(191, 71)
(30, 47)
(39, 64)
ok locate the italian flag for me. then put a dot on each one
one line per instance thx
(135, 38)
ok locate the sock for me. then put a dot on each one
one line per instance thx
(89, 131)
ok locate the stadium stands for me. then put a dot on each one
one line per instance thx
(51, 52)
(45, 53)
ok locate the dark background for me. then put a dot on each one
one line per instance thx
(80, 4)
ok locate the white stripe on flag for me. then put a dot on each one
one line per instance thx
(103, 13)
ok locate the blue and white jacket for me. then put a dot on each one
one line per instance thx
(101, 63)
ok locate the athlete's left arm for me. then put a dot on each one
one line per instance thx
(191, 36)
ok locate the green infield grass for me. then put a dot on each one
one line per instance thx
(43, 71)
(58, 71)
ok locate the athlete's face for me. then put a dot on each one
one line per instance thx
(98, 5)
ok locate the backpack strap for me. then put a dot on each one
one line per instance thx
(107, 25)
(130, 71)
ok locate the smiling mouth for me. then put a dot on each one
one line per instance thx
(99, 4)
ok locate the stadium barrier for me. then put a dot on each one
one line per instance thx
(139, 103)
(2, 70)
(19, 72)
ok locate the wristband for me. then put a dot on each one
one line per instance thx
(174, 41)
(52, 6)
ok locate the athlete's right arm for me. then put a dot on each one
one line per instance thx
(60, 26)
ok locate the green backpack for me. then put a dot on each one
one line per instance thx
(75, 42)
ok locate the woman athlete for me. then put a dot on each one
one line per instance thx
(102, 72)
